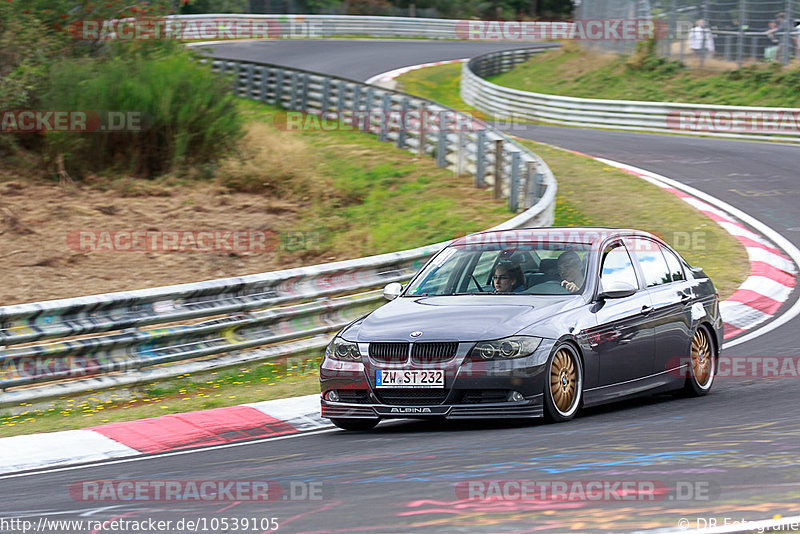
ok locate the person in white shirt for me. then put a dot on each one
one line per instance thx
(700, 39)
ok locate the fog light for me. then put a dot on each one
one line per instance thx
(332, 396)
(515, 396)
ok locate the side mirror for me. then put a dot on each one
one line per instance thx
(617, 290)
(392, 291)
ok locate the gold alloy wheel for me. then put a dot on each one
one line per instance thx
(563, 380)
(702, 358)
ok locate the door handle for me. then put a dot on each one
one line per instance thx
(646, 309)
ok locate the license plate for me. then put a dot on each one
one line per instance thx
(409, 379)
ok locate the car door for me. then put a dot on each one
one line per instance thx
(672, 296)
(623, 338)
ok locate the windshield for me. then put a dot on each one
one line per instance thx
(515, 269)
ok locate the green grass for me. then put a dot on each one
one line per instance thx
(253, 383)
(440, 84)
(572, 71)
(584, 198)
(372, 198)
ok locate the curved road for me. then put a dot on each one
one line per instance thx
(732, 455)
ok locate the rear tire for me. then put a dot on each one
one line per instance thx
(355, 424)
(702, 365)
(563, 391)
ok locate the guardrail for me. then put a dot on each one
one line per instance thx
(738, 122)
(62, 342)
(316, 26)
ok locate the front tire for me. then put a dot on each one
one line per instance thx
(702, 365)
(355, 424)
(564, 388)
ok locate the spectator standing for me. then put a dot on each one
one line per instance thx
(701, 41)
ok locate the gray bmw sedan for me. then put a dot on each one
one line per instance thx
(527, 323)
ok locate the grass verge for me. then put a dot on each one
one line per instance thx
(585, 189)
(574, 71)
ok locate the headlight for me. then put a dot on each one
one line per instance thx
(506, 348)
(339, 349)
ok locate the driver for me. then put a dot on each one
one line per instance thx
(508, 278)
(570, 269)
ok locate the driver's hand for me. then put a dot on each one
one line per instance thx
(569, 286)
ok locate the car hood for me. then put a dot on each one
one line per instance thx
(457, 318)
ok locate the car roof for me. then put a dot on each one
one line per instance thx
(552, 234)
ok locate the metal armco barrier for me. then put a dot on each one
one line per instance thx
(101, 341)
(738, 122)
(316, 26)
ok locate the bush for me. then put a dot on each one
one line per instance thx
(188, 115)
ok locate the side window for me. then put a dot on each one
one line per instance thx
(651, 262)
(675, 267)
(617, 266)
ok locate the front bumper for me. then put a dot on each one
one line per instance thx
(529, 408)
(473, 389)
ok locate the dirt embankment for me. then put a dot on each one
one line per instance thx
(59, 241)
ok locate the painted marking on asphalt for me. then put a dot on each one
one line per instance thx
(168, 454)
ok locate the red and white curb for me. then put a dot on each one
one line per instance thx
(773, 259)
(165, 433)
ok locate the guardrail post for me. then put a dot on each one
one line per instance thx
(357, 106)
(326, 94)
(460, 155)
(480, 159)
(293, 92)
(530, 186)
(368, 108)
(304, 95)
(401, 135)
(386, 109)
(441, 148)
(340, 98)
(279, 88)
(498, 169)
(538, 185)
(263, 95)
(423, 126)
(250, 68)
(513, 193)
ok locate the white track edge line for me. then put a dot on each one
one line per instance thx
(145, 456)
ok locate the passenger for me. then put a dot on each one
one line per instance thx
(570, 268)
(508, 278)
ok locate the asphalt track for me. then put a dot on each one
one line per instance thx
(733, 454)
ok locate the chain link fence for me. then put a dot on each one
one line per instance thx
(701, 33)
